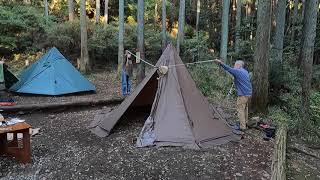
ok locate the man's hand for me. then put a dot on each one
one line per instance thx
(218, 61)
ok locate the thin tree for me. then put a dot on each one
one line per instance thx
(294, 21)
(303, 8)
(198, 17)
(182, 11)
(248, 19)
(164, 31)
(155, 13)
(71, 10)
(97, 11)
(306, 56)
(106, 8)
(140, 39)
(261, 57)
(46, 9)
(279, 30)
(121, 32)
(238, 27)
(27, 1)
(84, 60)
(197, 26)
(224, 30)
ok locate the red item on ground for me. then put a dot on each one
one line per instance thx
(7, 103)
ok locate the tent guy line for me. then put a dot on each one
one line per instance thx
(193, 63)
(142, 59)
(169, 66)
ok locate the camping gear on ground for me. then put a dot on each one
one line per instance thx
(180, 115)
(52, 74)
(268, 128)
(7, 102)
(7, 78)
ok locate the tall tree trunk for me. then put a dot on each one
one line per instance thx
(198, 17)
(27, 1)
(224, 30)
(71, 10)
(252, 18)
(121, 32)
(303, 8)
(182, 11)
(232, 22)
(97, 11)
(197, 27)
(279, 31)
(164, 31)
(294, 21)
(301, 35)
(306, 56)
(140, 39)
(156, 13)
(84, 60)
(46, 9)
(261, 58)
(238, 27)
(106, 8)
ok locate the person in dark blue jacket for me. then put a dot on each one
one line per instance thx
(244, 89)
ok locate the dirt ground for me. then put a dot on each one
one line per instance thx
(65, 149)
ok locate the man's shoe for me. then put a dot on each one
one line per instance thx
(238, 132)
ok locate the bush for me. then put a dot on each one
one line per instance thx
(277, 115)
(64, 36)
(21, 26)
(210, 81)
(103, 44)
(316, 77)
(196, 50)
(315, 108)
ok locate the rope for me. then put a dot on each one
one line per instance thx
(186, 64)
(230, 91)
(169, 66)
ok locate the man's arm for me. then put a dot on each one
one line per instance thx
(226, 67)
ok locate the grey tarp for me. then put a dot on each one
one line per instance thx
(180, 114)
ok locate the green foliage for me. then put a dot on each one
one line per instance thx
(316, 77)
(152, 42)
(20, 26)
(64, 36)
(208, 80)
(315, 108)
(103, 43)
(278, 116)
(193, 49)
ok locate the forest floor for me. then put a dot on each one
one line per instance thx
(66, 149)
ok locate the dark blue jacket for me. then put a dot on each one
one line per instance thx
(241, 80)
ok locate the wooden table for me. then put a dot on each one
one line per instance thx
(19, 150)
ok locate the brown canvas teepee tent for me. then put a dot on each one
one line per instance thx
(180, 114)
